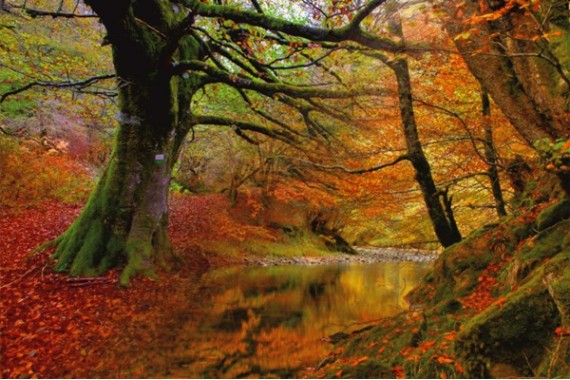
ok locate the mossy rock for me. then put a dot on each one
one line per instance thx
(557, 280)
(553, 215)
(510, 340)
(555, 364)
(455, 272)
(543, 246)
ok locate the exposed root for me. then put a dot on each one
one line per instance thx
(139, 260)
(42, 247)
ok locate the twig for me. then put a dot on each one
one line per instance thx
(347, 170)
(20, 278)
(85, 281)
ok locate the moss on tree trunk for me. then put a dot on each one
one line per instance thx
(126, 217)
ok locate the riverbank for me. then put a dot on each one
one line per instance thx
(365, 255)
(495, 305)
(90, 327)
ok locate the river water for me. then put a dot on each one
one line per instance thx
(274, 321)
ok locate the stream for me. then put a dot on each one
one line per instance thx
(275, 321)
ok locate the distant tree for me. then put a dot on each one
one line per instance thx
(491, 156)
(437, 201)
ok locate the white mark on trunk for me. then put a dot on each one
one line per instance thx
(126, 119)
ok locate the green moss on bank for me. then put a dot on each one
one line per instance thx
(520, 330)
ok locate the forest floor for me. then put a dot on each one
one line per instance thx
(57, 327)
(54, 326)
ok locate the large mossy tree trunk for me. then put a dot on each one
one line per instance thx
(521, 58)
(126, 217)
(441, 215)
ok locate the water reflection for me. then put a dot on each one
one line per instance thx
(270, 321)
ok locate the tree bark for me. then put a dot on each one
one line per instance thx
(126, 217)
(526, 73)
(441, 217)
(438, 203)
(491, 155)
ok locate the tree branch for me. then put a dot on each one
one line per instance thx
(350, 32)
(39, 13)
(403, 157)
(463, 124)
(243, 126)
(456, 180)
(238, 81)
(78, 84)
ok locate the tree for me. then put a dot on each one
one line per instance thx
(163, 56)
(437, 202)
(491, 155)
(518, 50)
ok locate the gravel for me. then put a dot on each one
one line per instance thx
(365, 255)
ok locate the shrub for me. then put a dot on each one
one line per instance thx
(31, 175)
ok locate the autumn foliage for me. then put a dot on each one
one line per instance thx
(54, 326)
(33, 174)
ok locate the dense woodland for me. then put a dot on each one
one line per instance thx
(145, 143)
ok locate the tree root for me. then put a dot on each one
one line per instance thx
(42, 247)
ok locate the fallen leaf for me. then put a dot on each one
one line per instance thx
(444, 360)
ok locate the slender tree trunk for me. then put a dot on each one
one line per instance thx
(437, 202)
(491, 155)
(441, 217)
(126, 217)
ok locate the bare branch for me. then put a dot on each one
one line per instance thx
(69, 84)
(39, 13)
(343, 168)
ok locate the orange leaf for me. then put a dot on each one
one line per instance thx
(458, 367)
(360, 360)
(501, 301)
(339, 373)
(444, 360)
(562, 331)
(426, 345)
(399, 372)
(406, 351)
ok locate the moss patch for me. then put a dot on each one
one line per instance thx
(554, 214)
(510, 335)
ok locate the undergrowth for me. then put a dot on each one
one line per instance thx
(32, 175)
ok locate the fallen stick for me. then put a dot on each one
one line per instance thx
(83, 281)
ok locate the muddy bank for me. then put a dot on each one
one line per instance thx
(364, 255)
